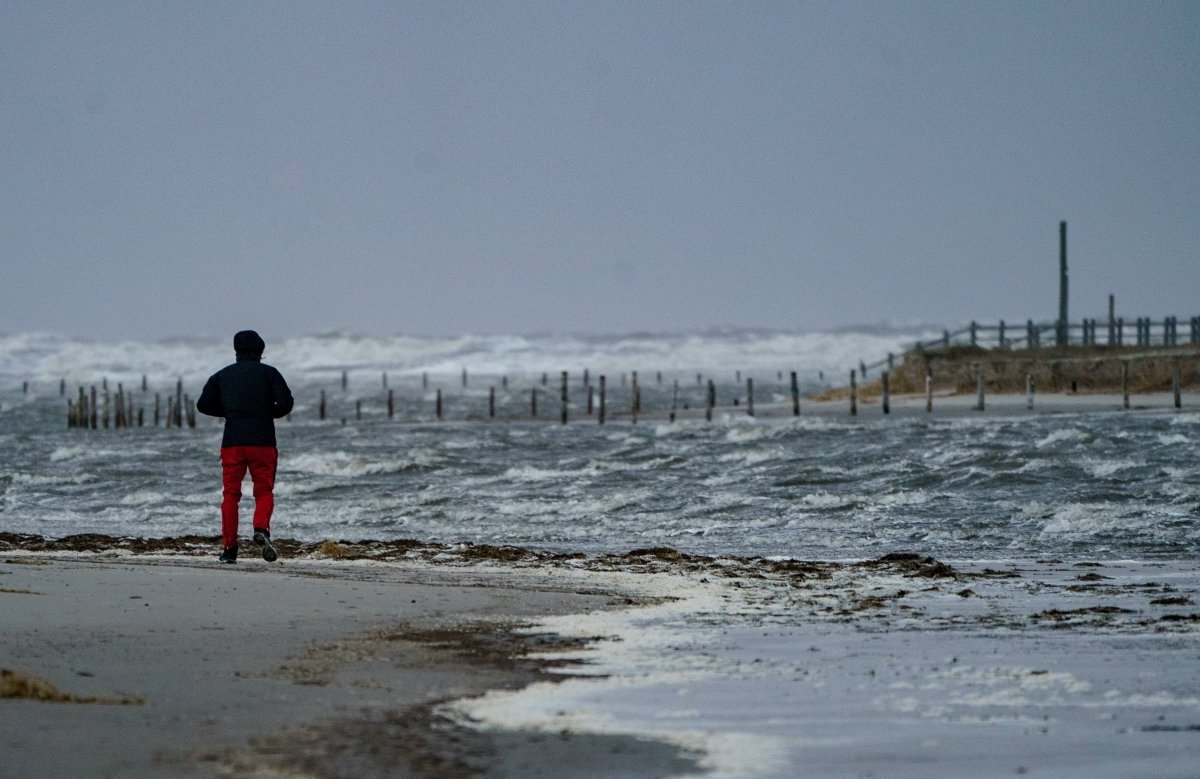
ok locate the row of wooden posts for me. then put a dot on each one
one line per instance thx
(1030, 390)
(1146, 332)
(597, 398)
(102, 409)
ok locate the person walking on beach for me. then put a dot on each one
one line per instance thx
(250, 395)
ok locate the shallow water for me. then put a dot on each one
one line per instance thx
(1105, 485)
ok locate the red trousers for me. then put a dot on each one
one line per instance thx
(235, 461)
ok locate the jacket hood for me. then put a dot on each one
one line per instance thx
(248, 343)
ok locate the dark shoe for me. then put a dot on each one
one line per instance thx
(229, 555)
(263, 539)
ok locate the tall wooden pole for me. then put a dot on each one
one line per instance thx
(1062, 284)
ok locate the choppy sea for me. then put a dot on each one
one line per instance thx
(1040, 491)
(1107, 485)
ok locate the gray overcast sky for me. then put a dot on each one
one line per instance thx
(436, 168)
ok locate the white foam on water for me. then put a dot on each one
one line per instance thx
(1103, 469)
(1064, 435)
(637, 654)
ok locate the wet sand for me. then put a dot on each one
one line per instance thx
(152, 665)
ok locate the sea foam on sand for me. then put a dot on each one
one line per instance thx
(1081, 669)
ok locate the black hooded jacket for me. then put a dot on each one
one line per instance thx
(249, 394)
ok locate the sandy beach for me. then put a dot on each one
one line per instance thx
(379, 659)
(155, 666)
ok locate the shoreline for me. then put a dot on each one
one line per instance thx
(135, 664)
(402, 658)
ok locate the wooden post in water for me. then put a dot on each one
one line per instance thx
(1125, 384)
(321, 406)
(1175, 384)
(533, 402)
(928, 391)
(179, 403)
(795, 395)
(887, 397)
(749, 397)
(853, 392)
(157, 408)
(589, 400)
(391, 404)
(1120, 331)
(1112, 320)
(1029, 389)
(62, 387)
(564, 398)
(106, 409)
(979, 391)
(94, 418)
(438, 405)
(711, 401)
(345, 381)
(674, 398)
(633, 397)
(600, 414)
(358, 410)
(491, 402)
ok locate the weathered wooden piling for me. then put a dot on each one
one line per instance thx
(94, 413)
(491, 402)
(674, 398)
(600, 413)
(853, 392)
(633, 398)
(157, 408)
(438, 405)
(711, 401)
(391, 404)
(749, 397)
(979, 391)
(928, 392)
(589, 400)
(62, 387)
(1029, 390)
(345, 381)
(533, 402)
(1175, 384)
(887, 395)
(358, 410)
(179, 403)
(145, 385)
(1125, 384)
(321, 407)
(795, 395)
(563, 415)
